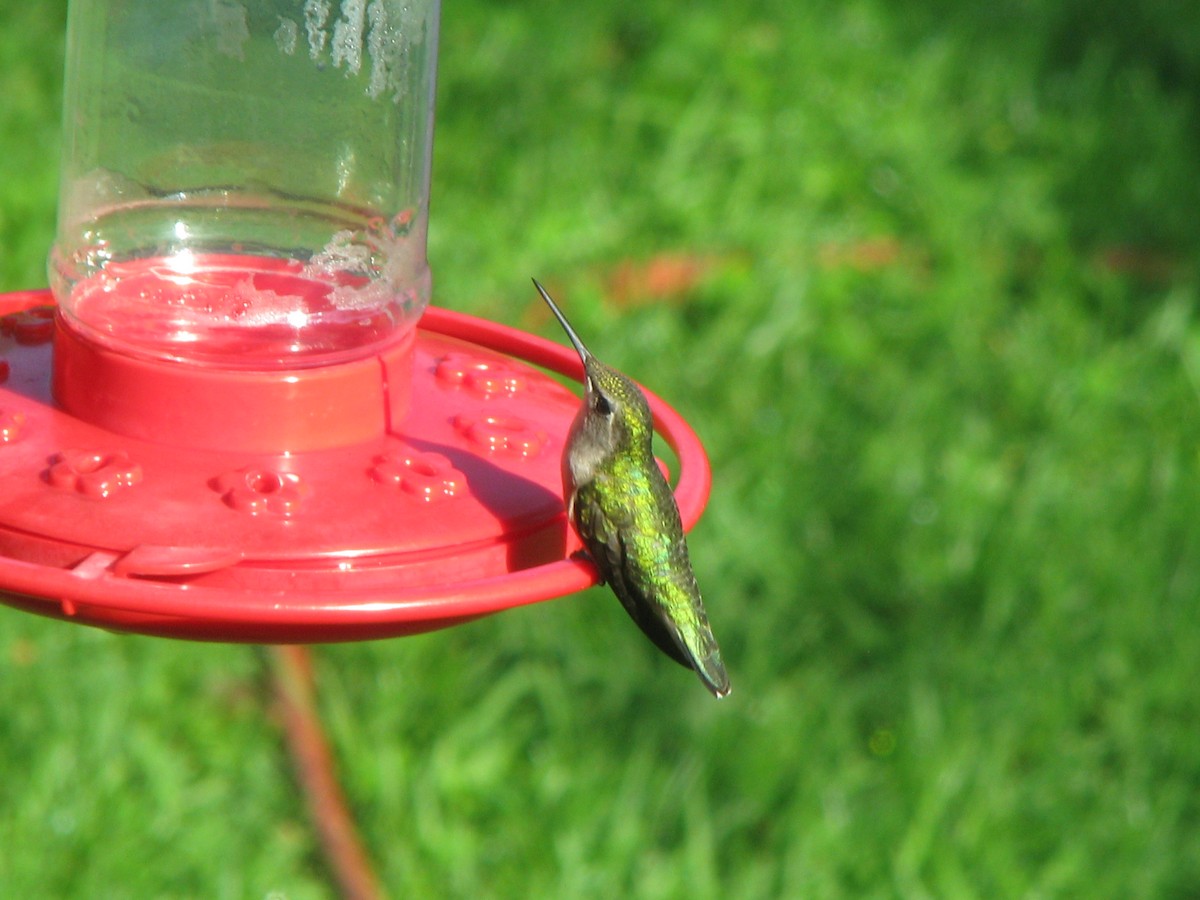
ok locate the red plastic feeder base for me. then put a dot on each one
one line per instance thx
(377, 521)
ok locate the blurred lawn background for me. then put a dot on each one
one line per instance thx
(924, 278)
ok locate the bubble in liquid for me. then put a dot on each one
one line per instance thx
(287, 35)
(347, 35)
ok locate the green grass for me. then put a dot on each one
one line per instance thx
(945, 354)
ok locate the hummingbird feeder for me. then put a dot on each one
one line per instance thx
(234, 417)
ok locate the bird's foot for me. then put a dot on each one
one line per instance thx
(584, 556)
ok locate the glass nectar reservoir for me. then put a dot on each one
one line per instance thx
(245, 184)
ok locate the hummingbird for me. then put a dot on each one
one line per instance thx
(627, 517)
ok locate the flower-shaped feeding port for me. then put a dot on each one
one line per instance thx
(501, 434)
(486, 378)
(30, 326)
(11, 424)
(259, 491)
(93, 474)
(427, 476)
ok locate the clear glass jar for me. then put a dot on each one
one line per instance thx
(245, 184)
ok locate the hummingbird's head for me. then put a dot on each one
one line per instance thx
(615, 415)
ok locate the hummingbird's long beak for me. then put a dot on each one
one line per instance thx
(584, 355)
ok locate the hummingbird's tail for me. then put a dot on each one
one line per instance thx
(685, 636)
(687, 639)
(698, 648)
(709, 667)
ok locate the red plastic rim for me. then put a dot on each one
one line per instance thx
(97, 590)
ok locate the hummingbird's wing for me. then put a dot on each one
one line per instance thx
(603, 533)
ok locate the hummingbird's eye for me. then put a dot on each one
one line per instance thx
(601, 405)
